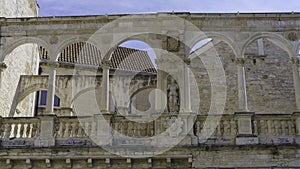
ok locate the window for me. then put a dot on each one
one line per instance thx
(43, 99)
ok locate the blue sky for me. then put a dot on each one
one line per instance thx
(101, 7)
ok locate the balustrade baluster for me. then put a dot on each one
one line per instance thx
(21, 132)
(7, 130)
(66, 132)
(15, 130)
(79, 133)
(27, 130)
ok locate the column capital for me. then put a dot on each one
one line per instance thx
(239, 61)
(295, 60)
(2, 66)
(106, 64)
(53, 64)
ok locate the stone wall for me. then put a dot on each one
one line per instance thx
(269, 80)
(18, 8)
(22, 61)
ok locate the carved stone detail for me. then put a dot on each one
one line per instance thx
(172, 44)
(173, 96)
(292, 36)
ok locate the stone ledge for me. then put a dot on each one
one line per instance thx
(248, 140)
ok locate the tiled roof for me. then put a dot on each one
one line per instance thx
(132, 59)
(122, 58)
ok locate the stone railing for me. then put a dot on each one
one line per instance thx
(19, 131)
(216, 129)
(125, 127)
(113, 130)
(278, 129)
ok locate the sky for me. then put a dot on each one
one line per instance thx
(102, 7)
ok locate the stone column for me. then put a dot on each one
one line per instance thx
(105, 87)
(160, 104)
(242, 93)
(187, 87)
(295, 61)
(51, 87)
(3, 66)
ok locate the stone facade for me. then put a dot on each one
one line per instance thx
(232, 103)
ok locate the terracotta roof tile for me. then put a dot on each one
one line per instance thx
(122, 57)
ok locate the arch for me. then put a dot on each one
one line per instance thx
(214, 35)
(64, 44)
(138, 37)
(21, 41)
(124, 28)
(141, 89)
(34, 88)
(285, 44)
(27, 91)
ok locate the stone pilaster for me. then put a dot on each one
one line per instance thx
(245, 134)
(296, 76)
(47, 129)
(103, 137)
(51, 87)
(242, 93)
(186, 90)
(159, 96)
(105, 86)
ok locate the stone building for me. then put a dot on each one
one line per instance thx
(225, 91)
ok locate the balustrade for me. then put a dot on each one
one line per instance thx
(218, 129)
(19, 128)
(226, 127)
(282, 126)
(75, 127)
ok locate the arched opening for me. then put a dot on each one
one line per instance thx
(134, 55)
(80, 53)
(23, 60)
(39, 104)
(269, 77)
(201, 54)
(73, 54)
